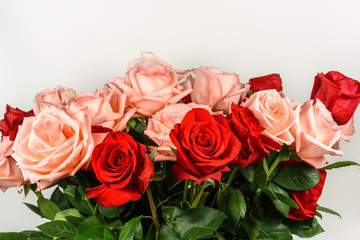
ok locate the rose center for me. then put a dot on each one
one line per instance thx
(203, 139)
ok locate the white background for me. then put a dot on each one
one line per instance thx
(82, 44)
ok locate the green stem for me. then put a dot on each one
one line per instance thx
(153, 208)
(231, 178)
(198, 195)
(186, 187)
(193, 189)
(275, 163)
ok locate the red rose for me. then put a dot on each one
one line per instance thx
(123, 167)
(272, 81)
(340, 94)
(13, 118)
(254, 145)
(205, 144)
(307, 200)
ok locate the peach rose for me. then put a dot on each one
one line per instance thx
(161, 123)
(106, 108)
(55, 96)
(275, 114)
(150, 85)
(216, 88)
(54, 144)
(10, 174)
(316, 133)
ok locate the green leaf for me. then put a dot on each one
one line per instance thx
(269, 193)
(93, 228)
(60, 229)
(298, 177)
(327, 210)
(28, 186)
(35, 235)
(33, 208)
(131, 123)
(270, 229)
(12, 236)
(260, 176)
(318, 214)
(167, 232)
(236, 204)
(232, 202)
(66, 213)
(70, 190)
(283, 202)
(170, 212)
(59, 199)
(284, 154)
(78, 202)
(174, 150)
(304, 229)
(340, 164)
(116, 225)
(153, 154)
(132, 229)
(251, 226)
(219, 236)
(249, 172)
(265, 166)
(197, 222)
(74, 220)
(109, 212)
(47, 208)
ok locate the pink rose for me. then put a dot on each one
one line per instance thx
(149, 85)
(275, 114)
(161, 123)
(54, 144)
(10, 174)
(316, 133)
(55, 96)
(216, 88)
(106, 108)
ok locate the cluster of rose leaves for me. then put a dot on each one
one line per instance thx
(205, 124)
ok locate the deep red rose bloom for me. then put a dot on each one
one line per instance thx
(254, 145)
(123, 167)
(306, 200)
(13, 118)
(205, 144)
(340, 94)
(271, 81)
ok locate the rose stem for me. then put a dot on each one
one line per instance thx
(198, 196)
(282, 155)
(152, 208)
(193, 189)
(186, 187)
(231, 178)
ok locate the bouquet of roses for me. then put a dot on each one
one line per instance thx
(169, 154)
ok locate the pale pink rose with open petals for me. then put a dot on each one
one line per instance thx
(150, 85)
(54, 144)
(10, 174)
(316, 133)
(211, 86)
(55, 96)
(161, 123)
(275, 113)
(106, 108)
